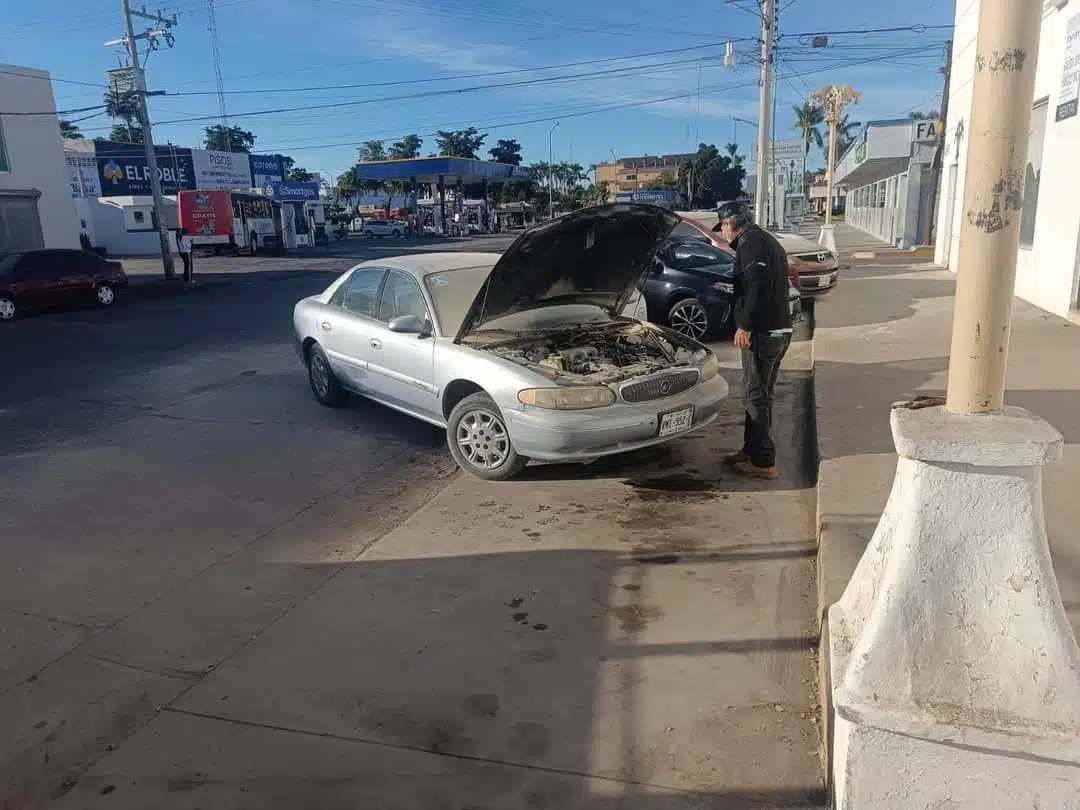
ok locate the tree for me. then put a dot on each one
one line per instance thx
(407, 147)
(463, 143)
(300, 175)
(371, 151)
(123, 108)
(710, 177)
(846, 132)
(287, 164)
(506, 151)
(732, 150)
(808, 120)
(347, 183)
(916, 115)
(70, 131)
(228, 139)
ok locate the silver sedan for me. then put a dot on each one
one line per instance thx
(522, 356)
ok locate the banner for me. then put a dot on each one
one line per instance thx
(83, 172)
(122, 169)
(206, 213)
(221, 169)
(265, 169)
(292, 191)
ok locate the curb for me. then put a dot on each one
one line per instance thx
(921, 252)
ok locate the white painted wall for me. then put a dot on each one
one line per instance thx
(1047, 272)
(114, 225)
(35, 156)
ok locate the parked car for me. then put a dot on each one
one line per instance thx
(44, 279)
(520, 356)
(694, 226)
(383, 227)
(690, 288)
(818, 267)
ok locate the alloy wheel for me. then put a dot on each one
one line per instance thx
(482, 439)
(320, 375)
(7, 309)
(105, 295)
(690, 319)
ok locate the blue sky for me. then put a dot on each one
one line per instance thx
(274, 50)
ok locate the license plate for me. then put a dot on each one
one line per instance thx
(676, 421)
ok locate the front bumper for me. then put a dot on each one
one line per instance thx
(582, 435)
(818, 282)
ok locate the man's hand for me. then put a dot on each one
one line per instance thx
(742, 339)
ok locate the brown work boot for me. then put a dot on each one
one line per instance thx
(752, 470)
(731, 459)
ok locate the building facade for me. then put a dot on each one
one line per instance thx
(36, 210)
(1048, 259)
(885, 175)
(644, 173)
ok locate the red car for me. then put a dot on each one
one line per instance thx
(44, 279)
(695, 230)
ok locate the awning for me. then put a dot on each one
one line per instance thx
(874, 170)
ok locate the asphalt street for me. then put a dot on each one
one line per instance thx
(170, 492)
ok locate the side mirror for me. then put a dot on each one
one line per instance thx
(410, 325)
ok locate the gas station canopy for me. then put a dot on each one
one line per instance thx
(449, 170)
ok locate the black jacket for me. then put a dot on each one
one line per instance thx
(761, 282)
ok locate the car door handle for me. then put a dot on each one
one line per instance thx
(326, 326)
(375, 343)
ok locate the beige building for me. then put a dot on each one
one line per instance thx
(638, 173)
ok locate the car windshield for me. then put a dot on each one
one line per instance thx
(453, 292)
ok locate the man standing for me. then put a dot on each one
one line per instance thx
(183, 244)
(763, 332)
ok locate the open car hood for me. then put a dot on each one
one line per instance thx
(592, 256)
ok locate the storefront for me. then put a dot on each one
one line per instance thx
(885, 175)
(1048, 259)
(302, 211)
(35, 200)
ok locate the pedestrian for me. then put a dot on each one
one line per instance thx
(763, 332)
(183, 244)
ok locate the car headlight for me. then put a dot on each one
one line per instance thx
(576, 398)
(709, 367)
(724, 287)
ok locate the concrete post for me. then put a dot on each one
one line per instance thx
(833, 100)
(955, 675)
(442, 204)
(993, 197)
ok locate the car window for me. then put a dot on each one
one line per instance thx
(684, 230)
(37, 265)
(73, 262)
(360, 294)
(401, 296)
(691, 253)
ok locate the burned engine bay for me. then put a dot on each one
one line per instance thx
(596, 354)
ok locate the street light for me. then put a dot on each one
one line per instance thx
(551, 173)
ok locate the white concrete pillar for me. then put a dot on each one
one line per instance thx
(827, 237)
(956, 677)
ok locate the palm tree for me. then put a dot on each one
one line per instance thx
(808, 119)
(845, 134)
(124, 108)
(733, 152)
(70, 131)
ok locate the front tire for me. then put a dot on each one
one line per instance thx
(397, 234)
(479, 442)
(369, 235)
(324, 385)
(8, 309)
(688, 317)
(105, 295)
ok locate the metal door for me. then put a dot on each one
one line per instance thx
(347, 325)
(402, 365)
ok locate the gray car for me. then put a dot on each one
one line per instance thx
(522, 356)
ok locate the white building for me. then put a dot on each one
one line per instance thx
(35, 194)
(885, 174)
(1048, 261)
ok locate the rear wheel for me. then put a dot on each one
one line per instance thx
(8, 310)
(688, 317)
(324, 385)
(397, 234)
(479, 442)
(369, 234)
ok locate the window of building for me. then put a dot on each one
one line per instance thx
(880, 202)
(1033, 174)
(4, 165)
(20, 226)
(140, 217)
(631, 177)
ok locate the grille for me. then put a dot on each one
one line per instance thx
(659, 387)
(814, 258)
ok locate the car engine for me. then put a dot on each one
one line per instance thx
(598, 354)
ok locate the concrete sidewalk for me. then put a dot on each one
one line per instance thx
(882, 336)
(634, 635)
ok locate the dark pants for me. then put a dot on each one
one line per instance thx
(188, 266)
(761, 366)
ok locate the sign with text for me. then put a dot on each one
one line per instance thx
(862, 152)
(122, 169)
(925, 131)
(221, 169)
(1070, 72)
(783, 150)
(292, 191)
(83, 172)
(265, 169)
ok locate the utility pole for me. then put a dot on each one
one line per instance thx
(551, 173)
(761, 192)
(939, 152)
(139, 82)
(833, 100)
(990, 227)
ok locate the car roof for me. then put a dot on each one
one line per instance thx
(419, 265)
